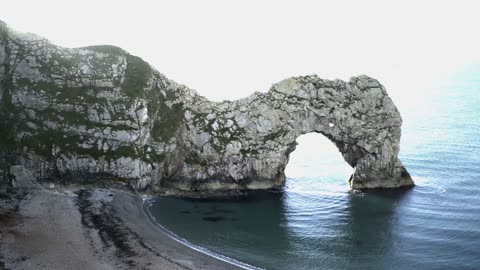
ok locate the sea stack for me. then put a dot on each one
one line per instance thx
(99, 113)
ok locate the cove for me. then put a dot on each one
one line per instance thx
(316, 223)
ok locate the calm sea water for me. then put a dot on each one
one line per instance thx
(316, 223)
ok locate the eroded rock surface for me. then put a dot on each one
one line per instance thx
(99, 113)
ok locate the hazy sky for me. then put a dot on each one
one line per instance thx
(227, 49)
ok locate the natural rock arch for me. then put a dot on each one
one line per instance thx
(99, 112)
(358, 117)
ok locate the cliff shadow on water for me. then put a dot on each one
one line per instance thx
(371, 228)
(273, 229)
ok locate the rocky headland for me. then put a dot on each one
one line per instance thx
(101, 115)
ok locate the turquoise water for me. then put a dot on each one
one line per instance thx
(316, 223)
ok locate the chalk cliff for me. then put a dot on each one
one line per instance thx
(97, 113)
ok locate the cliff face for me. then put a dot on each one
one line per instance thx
(98, 113)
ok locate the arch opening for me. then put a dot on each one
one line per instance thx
(316, 164)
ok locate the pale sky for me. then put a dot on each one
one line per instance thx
(229, 49)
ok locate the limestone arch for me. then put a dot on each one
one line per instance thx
(166, 135)
(245, 144)
(358, 117)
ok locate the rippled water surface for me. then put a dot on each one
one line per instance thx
(316, 223)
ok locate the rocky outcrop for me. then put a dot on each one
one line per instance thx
(99, 113)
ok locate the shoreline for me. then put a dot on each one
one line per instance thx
(197, 248)
(90, 228)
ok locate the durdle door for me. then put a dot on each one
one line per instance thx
(97, 113)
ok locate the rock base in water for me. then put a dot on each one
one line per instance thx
(95, 113)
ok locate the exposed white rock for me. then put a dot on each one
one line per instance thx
(87, 115)
(229, 123)
(233, 148)
(85, 70)
(142, 115)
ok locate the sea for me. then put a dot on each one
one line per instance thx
(316, 222)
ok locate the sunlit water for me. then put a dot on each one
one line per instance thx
(315, 223)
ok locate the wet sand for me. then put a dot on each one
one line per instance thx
(88, 228)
